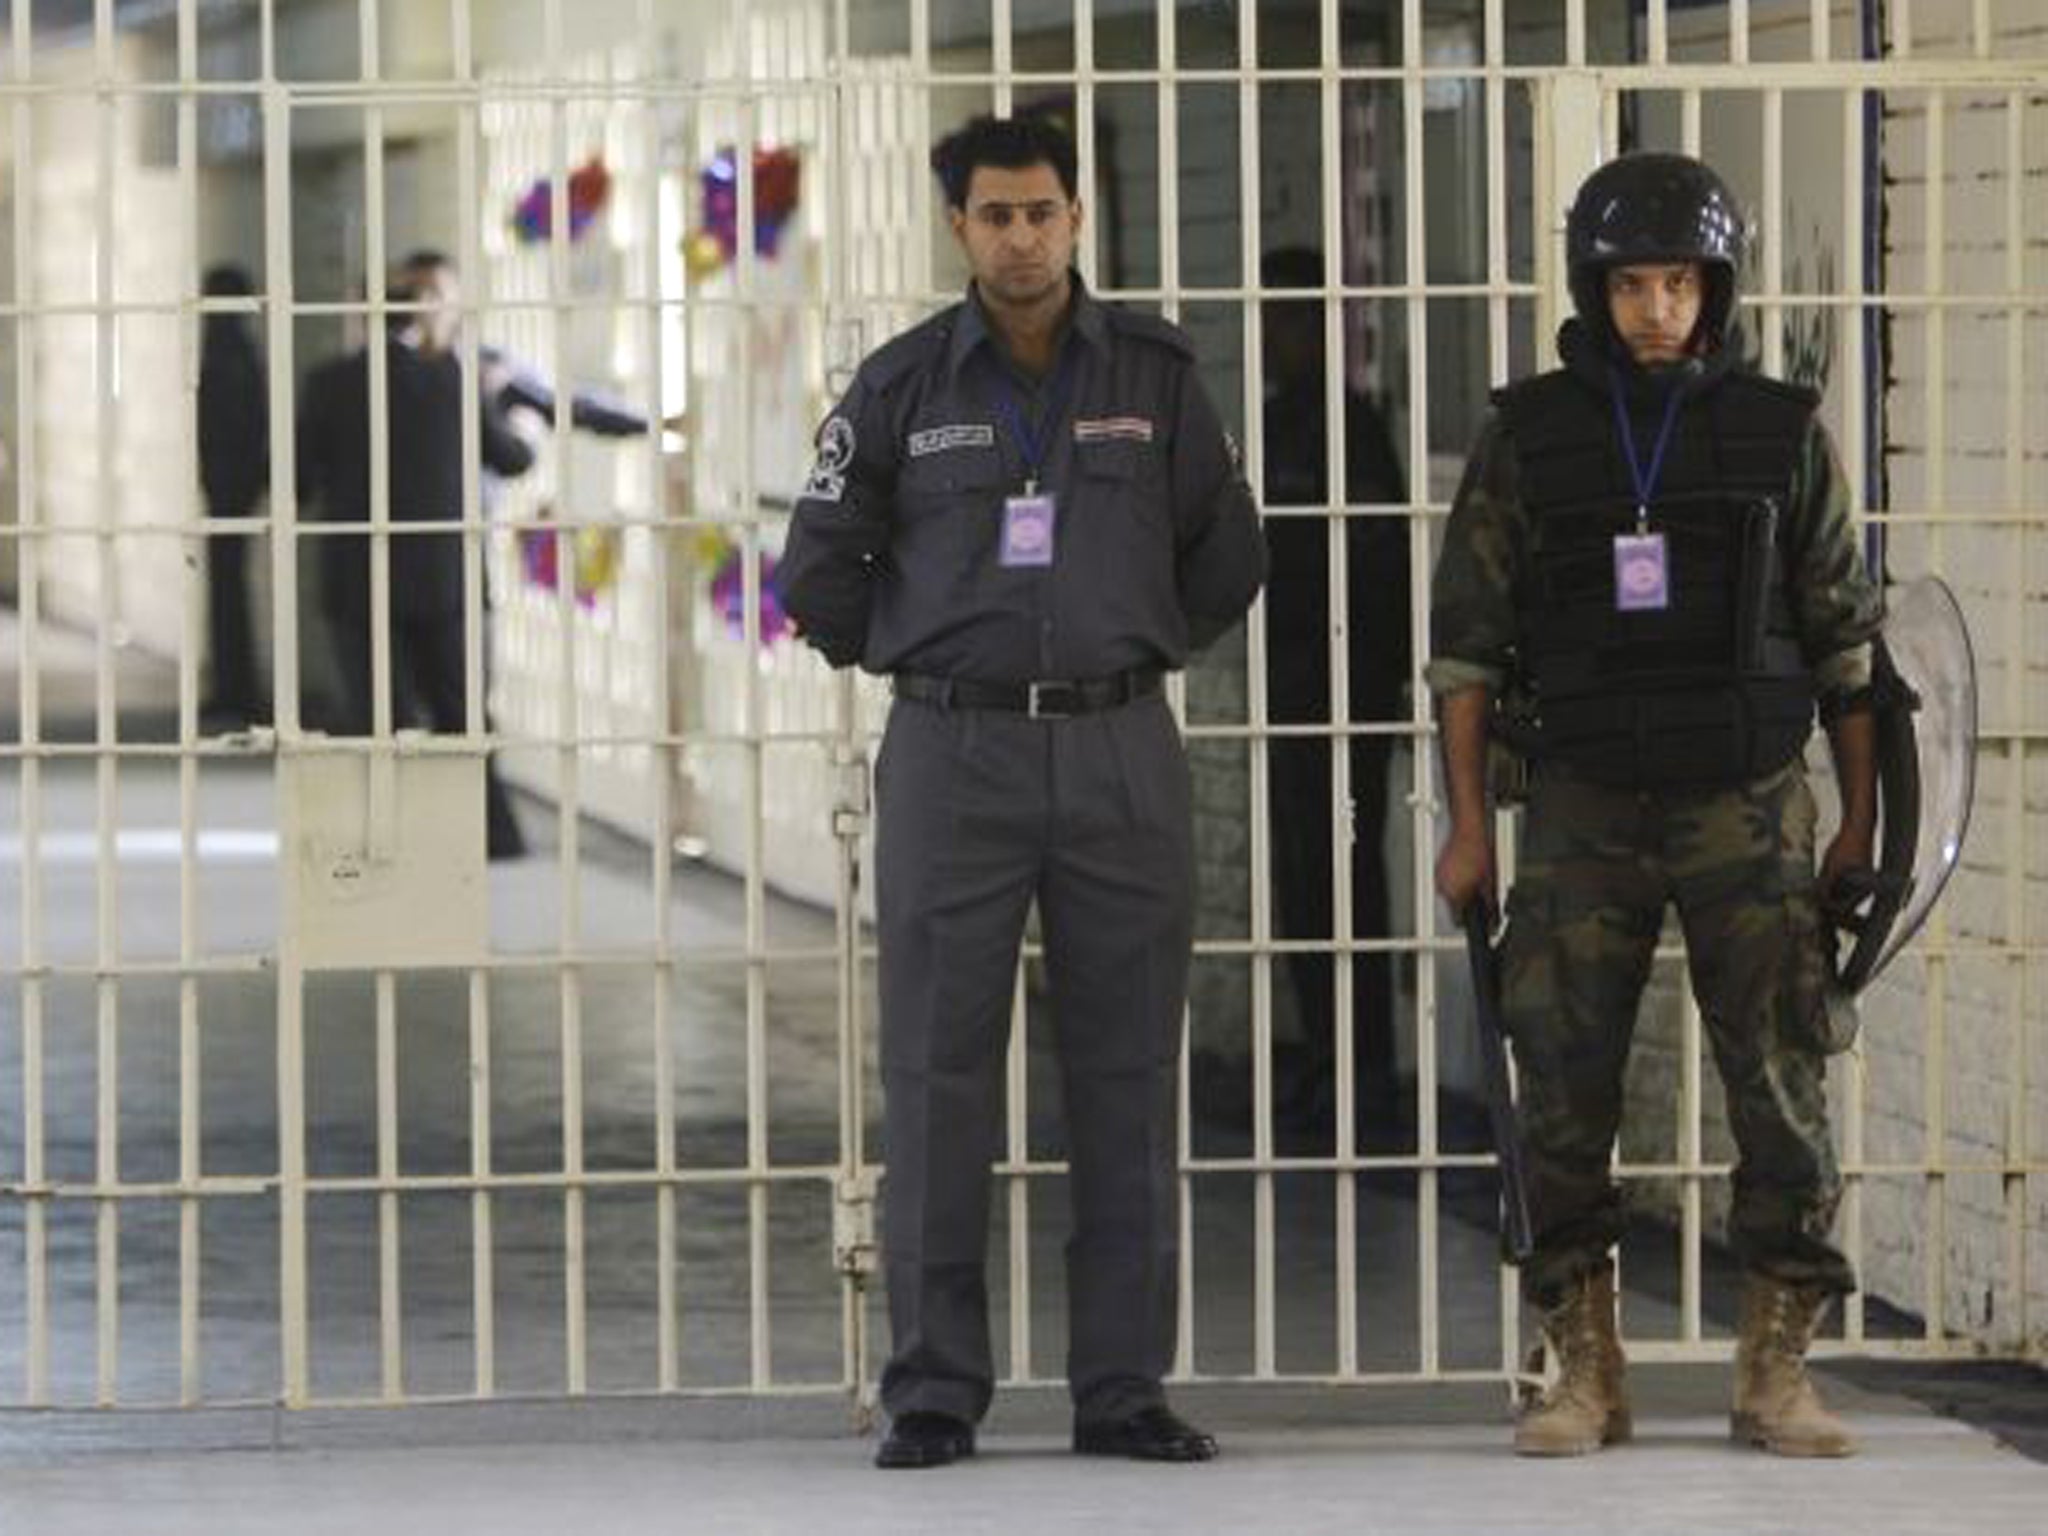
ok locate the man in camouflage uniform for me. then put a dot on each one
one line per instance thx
(1648, 581)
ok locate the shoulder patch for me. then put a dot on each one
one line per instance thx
(836, 446)
(1146, 327)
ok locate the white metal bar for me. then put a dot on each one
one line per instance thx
(1852, 1073)
(283, 522)
(188, 709)
(180, 527)
(568, 781)
(761, 1354)
(1018, 1191)
(1935, 233)
(28, 515)
(291, 1078)
(382, 774)
(106, 992)
(1497, 339)
(390, 1305)
(1692, 1110)
(482, 1225)
(1776, 222)
(1265, 1287)
(476, 280)
(923, 216)
(1002, 56)
(1086, 104)
(1344, 1186)
(1738, 31)
(668, 1344)
(1995, 73)
(2017, 1074)
(851, 728)
(575, 1307)
(1428, 1308)
(382, 770)
(1167, 107)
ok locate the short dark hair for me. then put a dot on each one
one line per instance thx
(425, 258)
(1010, 143)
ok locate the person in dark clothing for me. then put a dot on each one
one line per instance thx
(1307, 838)
(1026, 511)
(512, 384)
(427, 395)
(234, 469)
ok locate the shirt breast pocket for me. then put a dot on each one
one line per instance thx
(1124, 482)
(950, 506)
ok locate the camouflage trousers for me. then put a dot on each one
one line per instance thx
(1597, 868)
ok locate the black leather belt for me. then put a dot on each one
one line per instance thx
(1046, 699)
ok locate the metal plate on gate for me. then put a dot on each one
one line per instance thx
(383, 856)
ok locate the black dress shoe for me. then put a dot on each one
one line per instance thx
(1150, 1434)
(925, 1440)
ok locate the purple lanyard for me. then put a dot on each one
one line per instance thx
(1030, 446)
(1645, 481)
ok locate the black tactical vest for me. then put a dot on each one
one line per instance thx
(1711, 689)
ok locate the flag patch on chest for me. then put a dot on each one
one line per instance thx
(1105, 429)
(942, 439)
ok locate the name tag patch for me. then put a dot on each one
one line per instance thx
(1109, 429)
(944, 439)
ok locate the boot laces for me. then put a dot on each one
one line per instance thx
(1794, 1319)
(1581, 1340)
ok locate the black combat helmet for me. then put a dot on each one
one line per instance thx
(1650, 207)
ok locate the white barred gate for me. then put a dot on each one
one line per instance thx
(300, 1101)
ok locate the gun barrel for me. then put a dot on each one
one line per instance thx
(1500, 1101)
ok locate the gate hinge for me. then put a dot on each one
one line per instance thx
(853, 1225)
(850, 799)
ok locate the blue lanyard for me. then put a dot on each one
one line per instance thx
(1030, 445)
(1645, 481)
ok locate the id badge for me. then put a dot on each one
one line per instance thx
(1642, 578)
(1027, 531)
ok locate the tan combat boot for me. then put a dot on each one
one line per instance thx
(1776, 1406)
(1587, 1406)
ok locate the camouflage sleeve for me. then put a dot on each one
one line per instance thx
(1472, 594)
(841, 527)
(1836, 605)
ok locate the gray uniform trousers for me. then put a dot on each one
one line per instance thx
(979, 812)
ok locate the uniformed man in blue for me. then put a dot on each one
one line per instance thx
(1026, 512)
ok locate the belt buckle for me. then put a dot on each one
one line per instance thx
(1036, 693)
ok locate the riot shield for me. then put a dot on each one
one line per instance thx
(1924, 689)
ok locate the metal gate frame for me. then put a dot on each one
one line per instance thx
(1579, 112)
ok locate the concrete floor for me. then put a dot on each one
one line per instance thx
(1297, 1460)
(1351, 1462)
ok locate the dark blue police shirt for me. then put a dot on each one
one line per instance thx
(894, 560)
